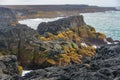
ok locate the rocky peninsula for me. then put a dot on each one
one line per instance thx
(58, 50)
(51, 11)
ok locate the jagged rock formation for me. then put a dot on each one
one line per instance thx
(62, 46)
(8, 68)
(104, 66)
(76, 25)
(11, 34)
(62, 42)
(14, 37)
(61, 25)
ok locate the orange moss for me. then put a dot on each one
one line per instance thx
(72, 53)
(68, 35)
(51, 61)
(60, 35)
(67, 58)
(43, 38)
(88, 51)
(20, 69)
(101, 35)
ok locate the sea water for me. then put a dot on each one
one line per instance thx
(107, 22)
(33, 23)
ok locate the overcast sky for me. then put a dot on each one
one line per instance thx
(46, 2)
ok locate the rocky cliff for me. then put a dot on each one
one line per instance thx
(61, 25)
(11, 32)
(72, 25)
(14, 37)
(66, 43)
(59, 43)
(11, 36)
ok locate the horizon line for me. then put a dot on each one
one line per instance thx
(51, 5)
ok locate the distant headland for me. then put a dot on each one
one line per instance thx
(48, 11)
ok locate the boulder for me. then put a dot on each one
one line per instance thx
(61, 24)
(15, 39)
(6, 17)
(8, 68)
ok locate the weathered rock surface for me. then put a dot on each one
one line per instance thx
(11, 36)
(23, 41)
(6, 16)
(61, 25)
(14, 37)
(76, 24)
(104, 66)
(8, 68)
(11, 32)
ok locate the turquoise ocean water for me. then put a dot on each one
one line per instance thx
(106, 22)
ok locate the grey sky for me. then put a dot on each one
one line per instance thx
(42, 2)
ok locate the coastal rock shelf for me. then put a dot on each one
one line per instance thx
(104, 66)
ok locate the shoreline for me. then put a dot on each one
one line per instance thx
(56, 15)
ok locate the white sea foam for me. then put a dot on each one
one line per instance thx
(94, 46)
(107, 22)
(33, 23)
(84, 44)
(25, 72)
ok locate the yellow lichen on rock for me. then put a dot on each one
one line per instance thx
(88, 51)
(73, 51)
(43, 38)
(20, 69)
(51, 61)
(101, 35)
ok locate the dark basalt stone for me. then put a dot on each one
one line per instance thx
(6, 17)
(11, 32)
(10, 37)
(8, 68)
(103, 66)
(61, 24)
(15, 37)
